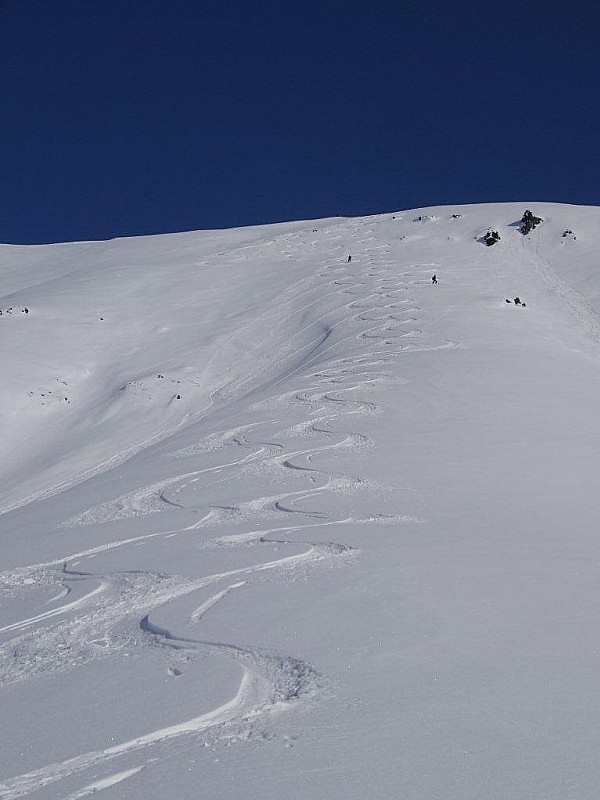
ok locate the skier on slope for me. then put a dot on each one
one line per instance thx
(434, 279)
(349, 259)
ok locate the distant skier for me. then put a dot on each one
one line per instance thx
(349, 259)
(434, 279)
(517, 301)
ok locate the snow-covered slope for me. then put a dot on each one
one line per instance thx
(279, 524)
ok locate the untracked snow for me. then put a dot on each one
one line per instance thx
(279, 524)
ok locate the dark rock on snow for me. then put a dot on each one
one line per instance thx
(529, 222)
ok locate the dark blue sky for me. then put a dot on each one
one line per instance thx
(123, 117)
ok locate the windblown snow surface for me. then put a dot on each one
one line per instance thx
(280, 525)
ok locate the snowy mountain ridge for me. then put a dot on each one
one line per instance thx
(282, 515)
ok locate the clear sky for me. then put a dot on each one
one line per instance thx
(123, 117)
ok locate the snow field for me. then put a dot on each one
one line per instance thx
(354, 558)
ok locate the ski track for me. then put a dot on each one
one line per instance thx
(350, 312)
(586, 316)
(104, 783)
